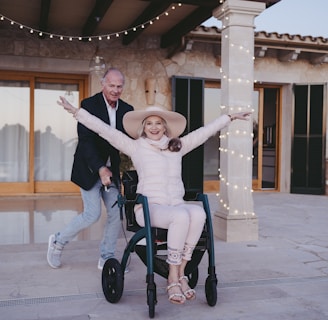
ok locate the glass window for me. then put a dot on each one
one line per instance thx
(37, 138)
(255, 116)
(55, 132)
(14, 131)
(212, 110)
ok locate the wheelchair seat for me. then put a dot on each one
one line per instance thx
(159, 235)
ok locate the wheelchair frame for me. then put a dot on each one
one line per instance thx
(113, 270)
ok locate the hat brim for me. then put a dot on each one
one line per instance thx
(175, 121)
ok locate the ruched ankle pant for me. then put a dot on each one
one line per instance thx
(185, 223)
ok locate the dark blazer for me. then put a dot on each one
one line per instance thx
(92, 151)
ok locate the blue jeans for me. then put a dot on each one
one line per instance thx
(91, 214)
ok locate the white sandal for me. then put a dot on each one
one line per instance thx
(190, 294)
(172, 296)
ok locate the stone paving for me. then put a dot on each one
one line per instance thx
(282, 276)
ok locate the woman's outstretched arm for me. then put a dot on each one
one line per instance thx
(67, 106)
(115, 137)
(200, 135)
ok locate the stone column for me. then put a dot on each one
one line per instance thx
(236, 220)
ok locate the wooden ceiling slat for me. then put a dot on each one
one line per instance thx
(95, 17)
(178, 27)
(195, 19)
(44, 15)
(174, 35)
(153, 10)
(203, 3)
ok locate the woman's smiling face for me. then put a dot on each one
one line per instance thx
(154, 128)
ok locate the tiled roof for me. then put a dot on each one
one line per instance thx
(285, 47)
(214, 31)
(295, 38)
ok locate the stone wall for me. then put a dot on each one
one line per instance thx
(139, 61)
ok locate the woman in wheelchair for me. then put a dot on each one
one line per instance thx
(156, 151)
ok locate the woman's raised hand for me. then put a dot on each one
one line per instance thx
(67, 106)
(240, 115)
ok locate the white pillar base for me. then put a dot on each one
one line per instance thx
(235, 228)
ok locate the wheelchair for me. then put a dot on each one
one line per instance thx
(151, 254)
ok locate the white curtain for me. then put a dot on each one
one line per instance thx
(55, 132)
(55, 135)
(14, 131)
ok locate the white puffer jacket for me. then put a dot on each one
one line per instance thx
(159, 172)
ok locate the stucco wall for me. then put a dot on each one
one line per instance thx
(300, 71)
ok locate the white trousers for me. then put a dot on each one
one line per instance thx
(185, 223)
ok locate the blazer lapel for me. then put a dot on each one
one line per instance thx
(103, 112)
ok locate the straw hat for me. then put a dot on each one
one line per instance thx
(175, 121)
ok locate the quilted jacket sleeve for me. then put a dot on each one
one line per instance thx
(197, 137)
(115, 137)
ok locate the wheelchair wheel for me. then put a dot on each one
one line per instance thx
(151, 301)
(210, 291)
(112, 280)
(193, 278)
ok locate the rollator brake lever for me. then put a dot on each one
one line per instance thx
(120, 202)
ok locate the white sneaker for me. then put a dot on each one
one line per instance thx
(54, 252)
(101, 263)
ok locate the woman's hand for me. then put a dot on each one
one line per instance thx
(67, 106)
(240, 115)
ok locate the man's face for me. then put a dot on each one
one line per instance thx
(112, 86)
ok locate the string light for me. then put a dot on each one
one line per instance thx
(89, 38)
(246, 194)
(225, 205)
(239, 79)
(224, 181)
(244, 189)
(117, 34)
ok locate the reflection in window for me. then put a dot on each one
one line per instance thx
(269, 138)
(255, 116)
(14, 130)
(55, 132)
(211, 147)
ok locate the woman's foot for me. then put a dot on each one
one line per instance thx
(175, 295)
(189, 293)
